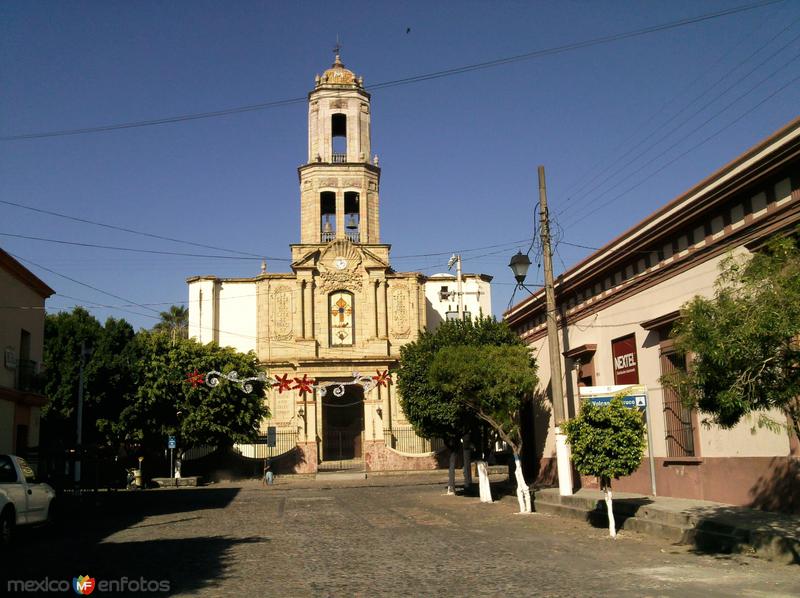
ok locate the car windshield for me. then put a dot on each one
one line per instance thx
(26, 470)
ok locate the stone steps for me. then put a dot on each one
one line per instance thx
(707, 526)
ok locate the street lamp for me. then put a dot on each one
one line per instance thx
(519, 266)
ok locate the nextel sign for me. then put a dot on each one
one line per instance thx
(626, 366)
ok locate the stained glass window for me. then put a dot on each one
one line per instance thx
(341, 318)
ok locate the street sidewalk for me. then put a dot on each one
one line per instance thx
(709, 526)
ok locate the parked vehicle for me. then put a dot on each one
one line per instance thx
(23, 500)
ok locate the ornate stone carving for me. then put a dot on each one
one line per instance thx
(331, 281)
(329, 182)
(281, 312)
(372, 186)
(400, 310)
(338, 104)
(352, 183)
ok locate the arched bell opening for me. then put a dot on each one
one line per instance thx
(327, 201)
(339, 138)
(352, 216)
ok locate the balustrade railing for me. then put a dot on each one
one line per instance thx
(339, 158)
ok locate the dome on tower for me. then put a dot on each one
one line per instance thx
(339, 75)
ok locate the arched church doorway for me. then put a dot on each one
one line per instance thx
(343, 429)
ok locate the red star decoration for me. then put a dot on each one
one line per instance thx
(283, 383)
(382, 379)
(304, 384)
(195, 378)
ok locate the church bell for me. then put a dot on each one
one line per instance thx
(351, 222)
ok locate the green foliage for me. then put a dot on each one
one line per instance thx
(425, 407)
(174, 322)
(493, 381)
(164, 403)
(107, 374)
(606, 441)
(744, 341)
(136, 389)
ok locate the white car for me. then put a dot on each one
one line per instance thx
(23, 500)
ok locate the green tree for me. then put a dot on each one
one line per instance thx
(174, 322)
(165, 403)
(744, 343)
(430, 413)
(606, 442)
(107, 376)
(494, 383)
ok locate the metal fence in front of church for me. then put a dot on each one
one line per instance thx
(285, 441)
(405, 440)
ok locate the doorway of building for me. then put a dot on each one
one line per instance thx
(343, 429)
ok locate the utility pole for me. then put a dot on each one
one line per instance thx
(456, 259)
(84, 353)
(562, 450)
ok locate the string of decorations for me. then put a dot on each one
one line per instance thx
(304, 385)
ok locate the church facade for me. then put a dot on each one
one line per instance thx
(339, 319)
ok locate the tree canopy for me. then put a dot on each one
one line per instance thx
(606, 441)
(136, 389)
(174, 322)
(430, 411)
(744, 343)
(108, 380)
(493, 382)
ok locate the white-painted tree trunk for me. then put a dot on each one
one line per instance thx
(451, 475)
(483, 481)
(467, 463)
(523, 492)
(612, 526)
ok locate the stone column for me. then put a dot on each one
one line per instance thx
(340, 215)
(297, 311)
(372, 297)
(382, 311)
(308, 305)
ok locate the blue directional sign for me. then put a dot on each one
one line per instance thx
(171, 443)
(631, 402)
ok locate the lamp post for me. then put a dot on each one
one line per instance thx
(519, 266)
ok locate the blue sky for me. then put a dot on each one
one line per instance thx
(621, 127)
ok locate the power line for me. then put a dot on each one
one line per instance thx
(588, 194)
(577, 187)
(125, 229)
(405, 80)
(691, 149)
(22, 259)
(134, 250)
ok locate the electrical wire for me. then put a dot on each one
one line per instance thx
(405, 80)
(125, 229)
(94, 288)
(589, 194)
(575, 188)
(681, 155)
(134, 250)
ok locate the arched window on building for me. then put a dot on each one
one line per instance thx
(352, 217)
(339, 138)
(341, 325)
(327, 204)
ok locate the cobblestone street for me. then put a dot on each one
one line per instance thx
(390, 536)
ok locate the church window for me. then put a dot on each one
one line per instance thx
(327, 200)
(342, 319)
(352, 217)
(339, 137)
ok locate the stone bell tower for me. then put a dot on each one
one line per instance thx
(339, 183)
